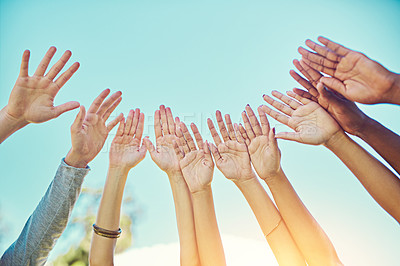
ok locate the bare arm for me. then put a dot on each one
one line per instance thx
(309, 117)
(312, 126)
(377, 179)
(233, 160)
(197, 168)
(125, 153)
(32, 98)
(348, 115)
(165, 158)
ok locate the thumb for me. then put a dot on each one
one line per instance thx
(143, 149)
(334, 84)
(77, 124)
(65, 107)
(149, 146)
(272, 140)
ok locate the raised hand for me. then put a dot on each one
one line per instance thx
(311, 123)
(165, 130)
(345, 112)
(125, 151)
(263, 147)
(32, 98)
(89, 131)
(354, 75)
(231, 155)
(196, 163)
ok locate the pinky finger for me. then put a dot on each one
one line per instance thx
(24, 64)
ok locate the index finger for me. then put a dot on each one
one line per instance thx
(337, 48)
(24, 64)
(157, 124)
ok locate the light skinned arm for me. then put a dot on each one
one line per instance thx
(311, 128)
(125, 153)
(348, 115)
(51, 216)
(197, 168)
(165, 158)
(233, 160)
(32, 98)
(353, 74)
(313, 125)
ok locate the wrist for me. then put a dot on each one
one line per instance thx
(202, 191)
(176, 177)
(369, 125)
(11, 121)
(118, 170)
(73, 159)
(394, 89)
(337, 139)
(245, 179)
(273, 177)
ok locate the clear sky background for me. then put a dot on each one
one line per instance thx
(196, 57)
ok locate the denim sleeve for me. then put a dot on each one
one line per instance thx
(49, 219)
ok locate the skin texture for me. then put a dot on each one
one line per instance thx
(125, 153)
(164, 156)
(89, 131)
(197, 167)
(233, 160)
(32, 98)
(306, 117)
(353, 74)
(348, 115)
(310, 238)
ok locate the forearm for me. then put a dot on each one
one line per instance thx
(208, 238)
(49, 219)
(185, 220)
(269, 219)
(8, 124)
(108, 217)
(395, 89)
(377, 179)
(383, 141)
(307, 233)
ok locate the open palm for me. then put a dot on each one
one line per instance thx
(355, 76)
(233, 160)
(345, 112)
(262, 145)
(125, 151)
(311, 123)
(196, 163)
(32, 98)
(165, 129)
(89, 131)
(230, 153)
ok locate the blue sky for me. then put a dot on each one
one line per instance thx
(196, 57)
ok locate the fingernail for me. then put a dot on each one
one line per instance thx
(273, 130)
